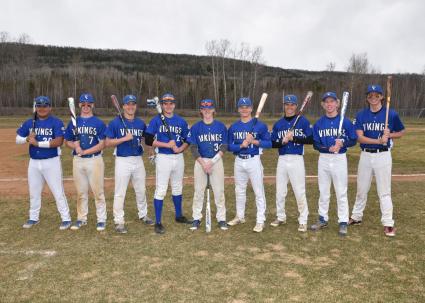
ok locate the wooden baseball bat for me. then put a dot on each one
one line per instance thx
(388, 99)
(208, 207)
(301, 111)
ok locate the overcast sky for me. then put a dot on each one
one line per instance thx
(293, 33)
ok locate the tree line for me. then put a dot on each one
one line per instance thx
(226, 73)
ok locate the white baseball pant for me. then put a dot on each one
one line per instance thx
(217, 185)
(127, 168)
(332, 168)
(50, 171)
(380, 165)
(290, 168)
(245, 170)
(89, 172)
(169, 168)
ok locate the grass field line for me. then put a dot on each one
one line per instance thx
(231, 178)
(43, 253)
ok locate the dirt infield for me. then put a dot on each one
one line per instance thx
(14, 160)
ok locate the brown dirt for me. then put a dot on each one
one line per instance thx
(13, 174)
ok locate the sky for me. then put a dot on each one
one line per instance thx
(296, 34)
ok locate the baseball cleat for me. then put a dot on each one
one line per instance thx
(389, 231)
(354, 222)
(277, 223)
(147, 220)
(223, 225)
(258, 227)
(342, 229)
(236, 221)
(78, 224)
(302, 228)
(319, 225)
(159, 228)
(120, 228)
(100, 226)
(195, 224)
(183, 219)
(30, 223)
(65, 225)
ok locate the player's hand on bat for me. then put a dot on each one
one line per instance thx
(289, 136)
(172, 144)
(339, 143)
(176, 150)
(384, 139)
(245, 144)
(32, 140)
(249, 138)
(78, 150)
(334, 149)
(387, 132)
(207, 166)
(128, 137)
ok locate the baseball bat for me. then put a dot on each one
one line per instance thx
(208, 207)
(34, 117)
(118, 108)
(301, 111)
(388, 99)
(259, 109)
(161, 116)
(345, 96)
(72, 111)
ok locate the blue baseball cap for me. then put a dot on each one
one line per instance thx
(329, 95)
(86, 97)
(168, 97)
(374, 88)
(129, 98)
(244, 101)
(207, 103)
(290, 99)
(42, 100)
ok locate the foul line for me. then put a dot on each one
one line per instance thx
(226, 178)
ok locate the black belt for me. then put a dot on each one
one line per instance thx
(245, 156)
(375, 150)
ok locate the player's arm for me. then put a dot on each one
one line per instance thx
(396, 135)
(94, 149)
(361, 138)
(264, 140)
(112, 142)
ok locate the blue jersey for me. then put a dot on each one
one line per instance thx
(208, 137)
(325, 131)
(178, 129)
(45, 130)
(238, 132)
(90, 131)
(373, 124)
(117, 130)
(281, 128)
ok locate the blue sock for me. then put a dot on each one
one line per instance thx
(158, 210)
(177, 200)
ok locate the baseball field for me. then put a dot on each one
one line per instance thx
(44, 264)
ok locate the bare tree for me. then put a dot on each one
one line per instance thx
(244, 53)
(330, 67)
(223, 50)
(211, 48)
(24, 39)
(4, 37)
(358, 64)
(256, 59)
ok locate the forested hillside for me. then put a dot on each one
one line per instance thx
(28, 70)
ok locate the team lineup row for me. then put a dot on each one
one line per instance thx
(169, 135)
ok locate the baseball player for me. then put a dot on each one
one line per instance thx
(87, 142)
(44, 136)
(332, 166)
(246, 137)
(290, 166)
(208, 143)
(128, 162)
(169, 161)
(376, 143)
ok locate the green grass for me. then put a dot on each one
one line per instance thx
(278, 265)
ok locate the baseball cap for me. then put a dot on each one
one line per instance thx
(374, 88)
(168, 97)
(42, 100)
(86, 97)
(329, 95)
(290, 99)
(207, 103)
(129, 98)
(244, 101)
